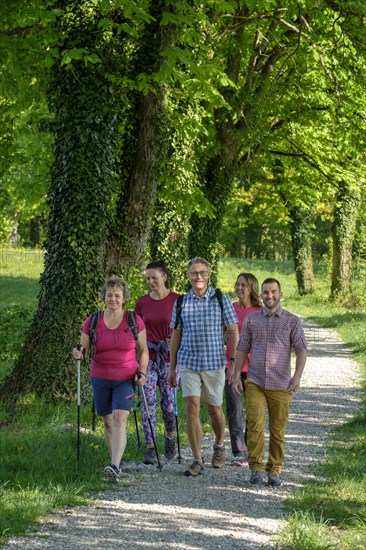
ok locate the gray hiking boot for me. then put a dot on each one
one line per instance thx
(169, 447)
(256, 478)
(195, 469)
(218, 457)
(150, 456)
(274, 479)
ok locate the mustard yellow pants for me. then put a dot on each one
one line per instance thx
(277, 402)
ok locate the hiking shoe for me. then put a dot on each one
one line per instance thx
(274, 479)
(150, 456)
(169, 447)
(218, 457)
(195, 469)
(112, 472)
(240, 460)
(256, 478)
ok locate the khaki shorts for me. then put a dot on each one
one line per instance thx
(209, 385)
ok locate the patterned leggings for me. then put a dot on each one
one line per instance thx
(154, 378)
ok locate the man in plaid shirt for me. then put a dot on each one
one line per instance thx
(197, 348)
(269, 335)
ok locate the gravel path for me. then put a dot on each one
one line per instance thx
(219, 510)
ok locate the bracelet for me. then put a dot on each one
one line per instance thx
(139, 372)
(232, 358)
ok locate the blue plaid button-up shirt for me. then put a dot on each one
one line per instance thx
(202, 345)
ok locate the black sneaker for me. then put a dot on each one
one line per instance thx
(150, 456)
(169, 447)
(112, 472)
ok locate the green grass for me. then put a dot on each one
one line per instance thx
(38, 441)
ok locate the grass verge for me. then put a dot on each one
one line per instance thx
(38, 440)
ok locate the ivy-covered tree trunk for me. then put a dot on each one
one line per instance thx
(301, 221)
(343, 232)
(145, 143)
(85, 106)
(204, 233)
(218, 174)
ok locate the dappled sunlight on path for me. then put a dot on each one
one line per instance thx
(219, 510)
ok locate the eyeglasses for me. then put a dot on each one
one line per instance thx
(202, 274)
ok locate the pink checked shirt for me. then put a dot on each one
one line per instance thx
(270, 338)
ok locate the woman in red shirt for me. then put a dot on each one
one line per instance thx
(247, 292)
(155, 309)
(114, 369)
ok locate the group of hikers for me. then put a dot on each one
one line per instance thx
(208, 346)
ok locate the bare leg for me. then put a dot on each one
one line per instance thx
(107, 421)
(217, 422)
(194, 429)
(115, 434)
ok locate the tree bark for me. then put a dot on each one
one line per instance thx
(301, 220)
(343, 232)
(86, 118)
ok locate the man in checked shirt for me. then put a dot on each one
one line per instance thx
(197, 349)
(269, 334)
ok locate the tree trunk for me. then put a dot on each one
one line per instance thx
(86, 108)
(343, 232)
(145, 145)
(301, 220)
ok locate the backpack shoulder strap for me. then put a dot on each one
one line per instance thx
(218, 296)
(131, 319)
(93, 331)
(178, 311)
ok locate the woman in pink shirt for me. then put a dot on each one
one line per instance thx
(247, 292)
(114, 369)
(156, 309)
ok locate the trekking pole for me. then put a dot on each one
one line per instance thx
(136, 424)
(151, 428)
(93, 415)
(176, 423)
(78, 406)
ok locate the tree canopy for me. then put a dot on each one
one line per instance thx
(173, 129)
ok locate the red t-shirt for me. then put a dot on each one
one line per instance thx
(156, 315)
(241, 313)
(115, 350)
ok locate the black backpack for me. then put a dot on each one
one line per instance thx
(131, 320)
(178, 317)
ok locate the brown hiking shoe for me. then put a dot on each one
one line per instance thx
(195, 469)
(218, 457)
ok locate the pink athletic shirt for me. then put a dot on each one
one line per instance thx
(115, 353)
(241, 313)
(156, 315)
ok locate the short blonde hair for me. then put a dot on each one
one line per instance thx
(118, 282)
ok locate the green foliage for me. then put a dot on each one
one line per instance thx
(169, 104)
(79, 192)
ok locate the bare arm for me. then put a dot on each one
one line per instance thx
(232, 332)
(233, 337)
(143, 357)
(85, 345)
(240, 359)
(174, 347)
(294, 383)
